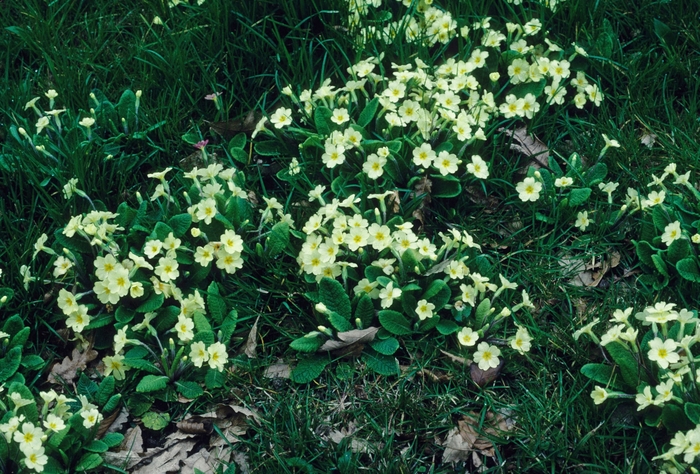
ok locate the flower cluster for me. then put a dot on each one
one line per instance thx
(430, 115)
(56, 411)
(668, 374)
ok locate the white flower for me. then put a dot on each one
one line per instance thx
(529, 190)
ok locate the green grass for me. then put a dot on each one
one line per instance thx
(647, 55)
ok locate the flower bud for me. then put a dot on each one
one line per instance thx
(321, 308)
(195, 232)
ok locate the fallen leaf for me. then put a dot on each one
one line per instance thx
(348, 338)
(67, 370)
(279, 370)
(165, 460)
(130, 450)
(529, 145)
(251, 344)
(592, 273)
(241, 461)
(484, 377)
(356, 445)
(119, 421)
(232, 127)
(648, 139)
(472, 435)
(457, 359)
(422, 187)
(394, 202)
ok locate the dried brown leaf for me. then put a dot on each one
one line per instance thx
(196, 425)
(233, 127)
(348, 338)
(648, 139)
(472, 435)
(169, 459)
(67, 370)
(279, 370)
(252, 343)
(130, 450)
(484, 377)
(529, 145)
(457, 359)
(394, 202)
(356, 445)
(117, 424)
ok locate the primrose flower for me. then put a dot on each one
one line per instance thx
(29, 437)
(54, 423)
(582, 220)
(599, 395)
(663, 352)
(91, 417)
(114, 364)
(217, 356)
(184, 328)
(167, 269)
(467, 337)
(78, 319)
(424, 310)
(486, 356)
(281, 118)
(198, 353)
(563, 182)
(671, 232)
(478, 167)
(522, 340)
(529, 189)
(389, 294)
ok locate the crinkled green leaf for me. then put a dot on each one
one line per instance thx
(88, 461)
(152, 383)
(10, 363)
(180, 223)
(278, 239)
(579, 196)
(189, 390)
(308, 369)
(365, 310)
(155, 421)
(368, 112)
(306, 344)
(385, 346)
(333, 295)
(688, 269)
(628, 364)
(395, 322)
(380, 363)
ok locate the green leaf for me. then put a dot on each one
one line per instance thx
(214, 379)
(180, 223)
(644, 252)
(386, 346)
(89, 461)
(104, 393)
(113, 439)
(308, 369)
(482, 311)
(86, 386)
(10, 363)
(601, 373)
(239, 141)
(270, 148)
(368, 112)
(229, 326)
(692, 411)
(155, 421)
(189, 390)
(19, 339)
(138, 404)
(365, 310)
(447, 327)
(554, 166)
(579, 196)
(278, 240)
(674, 419)
(534, 88)
(394, 322)
(161, 231)
(215, 303)
(660, 264)
(124, 315)
(153, 302)
(333, 295)
(338, 322)
(152, 383)
(13, 325)
(32, 362)
(200, 322)
(445, 186)
(688, 269)
(96, 446)
(380, 363)
(678, 250)
(8, 293)
(126, 108)
(438, 293)
(239, 154)
(660, 218)
(629, 367)
(112, 404)
(207, 337)
(595, 174)
(322, 120)
(306, 343)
